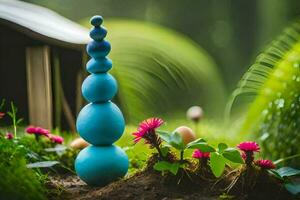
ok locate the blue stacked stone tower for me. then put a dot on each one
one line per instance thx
(101, 122)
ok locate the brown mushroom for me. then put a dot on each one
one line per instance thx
(79, 143)
(186, 133)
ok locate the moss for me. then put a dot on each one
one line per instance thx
(17, 181)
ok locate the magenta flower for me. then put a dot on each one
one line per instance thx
(199, 154)
(249, 146)
(146, 129)
(37, 131)
(56, 139)
(2, 115)
(248, 149)
(9, 136)
(265, 164)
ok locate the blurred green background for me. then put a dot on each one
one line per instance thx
(231, 31)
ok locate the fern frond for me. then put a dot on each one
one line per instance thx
(257, 75)
(273, 83)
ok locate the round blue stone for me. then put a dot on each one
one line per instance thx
(99, 66)
(100, 124)
(100, 165)
(96, 20)
(98, 33)
(99, 87)
(98, 49)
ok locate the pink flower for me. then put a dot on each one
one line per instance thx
(265, 164)
(9, 136)
(56, 139)
(249, 146)
(147, 127)
(2, 115)
(37, 131)
(199, 154)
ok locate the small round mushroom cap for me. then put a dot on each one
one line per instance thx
(194, 113)
(79, 143)
(186, 133)
(96, 20)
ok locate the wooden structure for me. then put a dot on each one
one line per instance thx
(42, 56)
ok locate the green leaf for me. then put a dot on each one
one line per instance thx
(164, 135)
(174, 168)
(165, 150)
(44, 164)
(217, 164)
(20, 120)
(202, 145)
(176, 141)
(293, 188)
(233, 155)
(196, 141)
(288, 171)
(167, 166)
(10, 114)
(222, 147)
(276, 174)
(161, 165)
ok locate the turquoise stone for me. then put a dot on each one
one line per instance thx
(100, 165)
(99, 66)
(96, 20)
(99, 87)
(98, 49)
(98, 33)
(100, 123)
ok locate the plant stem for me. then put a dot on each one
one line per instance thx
(197, 127)
(286, 158)
(181, 155)
(159, 151)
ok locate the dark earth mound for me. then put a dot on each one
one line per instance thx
(151, 185)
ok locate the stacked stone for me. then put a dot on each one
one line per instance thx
(101, 122)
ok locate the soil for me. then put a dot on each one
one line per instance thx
(143, 185)
(151, 185)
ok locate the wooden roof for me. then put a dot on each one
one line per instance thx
(42, 24)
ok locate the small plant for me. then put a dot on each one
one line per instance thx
(2, 114)
(147, 131)
(13, 115)
(165, 141)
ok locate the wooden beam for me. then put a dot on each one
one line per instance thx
(39, 86)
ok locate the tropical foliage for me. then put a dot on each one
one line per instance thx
(273, 85)
(159, 70)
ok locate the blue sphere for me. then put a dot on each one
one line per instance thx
(99, 87)
(98, 49)
(99, 65)
(100, 124)
(100, 165)
(96, 20)
(98, 33)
